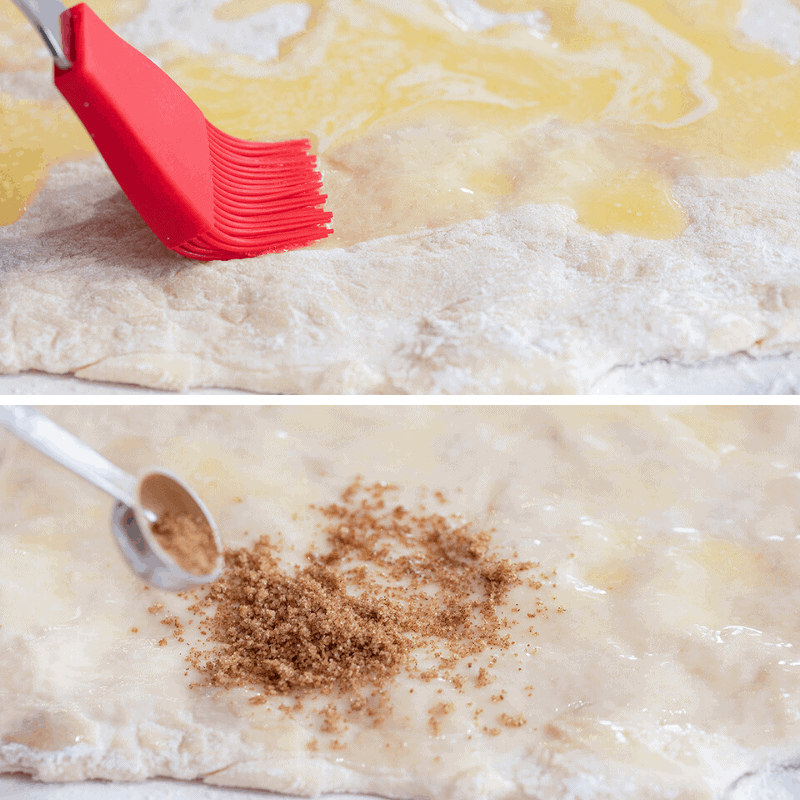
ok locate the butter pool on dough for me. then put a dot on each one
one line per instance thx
(662, 667)
(567, 187)
(36, 133)
(657, 94)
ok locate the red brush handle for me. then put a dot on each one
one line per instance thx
(148, 130)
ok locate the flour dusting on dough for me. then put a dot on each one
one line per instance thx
(501, 288)
(526, 301)
(662, 667)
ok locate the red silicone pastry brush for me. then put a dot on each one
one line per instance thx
(205, 194)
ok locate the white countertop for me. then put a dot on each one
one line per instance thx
(15, 787)
(778, 786)
(738, 374)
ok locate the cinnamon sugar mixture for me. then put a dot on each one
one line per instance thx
(391, 585)
(189, 540)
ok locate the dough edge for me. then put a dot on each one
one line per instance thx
(526, 301)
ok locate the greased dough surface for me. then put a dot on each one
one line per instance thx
(671, 672)
(527, 195)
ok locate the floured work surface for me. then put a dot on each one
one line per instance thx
(526, 194)
(651, 643)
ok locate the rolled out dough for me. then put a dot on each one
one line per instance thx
(526, 301)
(671, 672)
(523, 301)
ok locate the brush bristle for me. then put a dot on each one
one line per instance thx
(266, 199)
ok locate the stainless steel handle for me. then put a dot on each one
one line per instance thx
(45, 16)
(42, 433)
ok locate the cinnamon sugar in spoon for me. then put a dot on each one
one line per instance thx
(166, 534)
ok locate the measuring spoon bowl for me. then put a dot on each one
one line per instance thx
(160, 491)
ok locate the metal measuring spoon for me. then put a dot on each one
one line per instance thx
(140, 501)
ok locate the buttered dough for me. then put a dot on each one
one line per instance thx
(528, 197)
(671, 670)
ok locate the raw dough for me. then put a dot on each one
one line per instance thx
(525, 300)
(670, 673)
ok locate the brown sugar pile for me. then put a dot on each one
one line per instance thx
(302, 631)
(390, 586)
(188, 539)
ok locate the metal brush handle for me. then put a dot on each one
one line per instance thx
(45, 16)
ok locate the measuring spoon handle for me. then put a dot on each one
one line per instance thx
(42, 433)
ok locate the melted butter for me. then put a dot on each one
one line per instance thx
(34, 135)
(673, 670)
(730, 563)
(51, 731)
(420, 122)
(240, 9)
(633, 201)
